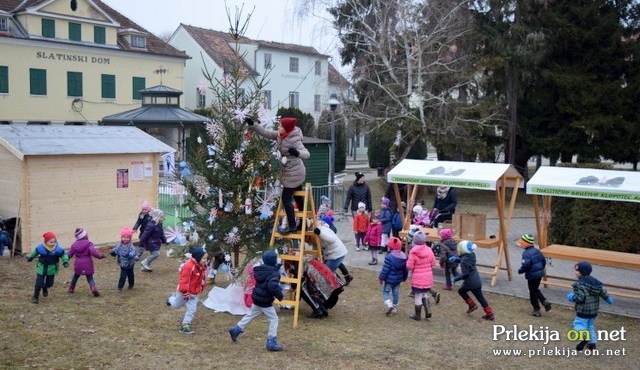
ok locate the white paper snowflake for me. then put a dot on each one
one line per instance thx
(202, 188)
(232, 237)
(214, 129)
(237, 158)
(173, 233)
(241, 114)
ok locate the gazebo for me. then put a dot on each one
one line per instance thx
(161, 116)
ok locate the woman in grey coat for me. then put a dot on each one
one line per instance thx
(289, 141)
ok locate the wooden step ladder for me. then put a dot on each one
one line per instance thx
(297, 254)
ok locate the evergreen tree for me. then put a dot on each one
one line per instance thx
(232, 179)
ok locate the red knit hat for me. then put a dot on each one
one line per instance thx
(48, 236)
(288, 124)
(394, 243)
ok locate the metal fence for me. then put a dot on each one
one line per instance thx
(171, 196)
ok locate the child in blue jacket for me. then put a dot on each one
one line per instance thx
(533, 263)
(394, 272)
(266, 290)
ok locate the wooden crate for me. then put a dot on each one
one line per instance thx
(469, 226)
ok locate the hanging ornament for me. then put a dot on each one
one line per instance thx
(214, 129)
(228, 207)
(173, 234)
(248, 135)
(199, 139)
(212, 215)
(203, 189)
(284, 160)
(220, 201)
(258, 182)
(212, 150)
(232, 237)
(247, 206)
(237, 158)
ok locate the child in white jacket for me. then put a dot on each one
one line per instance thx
(334, 248)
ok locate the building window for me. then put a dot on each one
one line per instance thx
(38, 123)
(266, 103)
(318, 68)
(316, 103)
(74, 123)
(201, 99)
(74, 83)
(48, 28)
(4, 25)
(38, 81)
(108, 86)
(4, 80)
(293, 64)
(241, 97)
(267, 60)
(99, 35)
(138, 83)
(75, 31)
(138, 41)
(294, 99)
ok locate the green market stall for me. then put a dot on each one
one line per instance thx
(587, 183)
(496, 177)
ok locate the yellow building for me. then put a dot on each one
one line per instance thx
(64, 66)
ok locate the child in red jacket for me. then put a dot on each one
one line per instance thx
(360, 226)
(191, 283)
(374, 237)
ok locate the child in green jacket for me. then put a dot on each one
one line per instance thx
(49, 254)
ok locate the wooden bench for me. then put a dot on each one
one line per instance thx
(594, 256)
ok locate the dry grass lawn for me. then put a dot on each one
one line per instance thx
(136, 330)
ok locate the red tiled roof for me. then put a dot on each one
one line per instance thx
(217, 45)
(336, 78)
(154, 45)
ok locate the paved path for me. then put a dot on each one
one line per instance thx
(517, 286)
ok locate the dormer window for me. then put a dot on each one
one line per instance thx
(4, 24)
(138, 41)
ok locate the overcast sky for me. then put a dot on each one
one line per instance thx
(272, 20)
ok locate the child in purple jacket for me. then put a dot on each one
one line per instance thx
(83, 250)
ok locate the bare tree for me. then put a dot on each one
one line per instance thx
(411, 66)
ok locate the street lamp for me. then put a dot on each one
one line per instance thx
(333, 104)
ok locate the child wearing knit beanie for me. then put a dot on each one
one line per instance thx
(393, 273)
(533, 264)
(126, 255)
(471, 279)
(84, 251)
(420, 264)
(49, 255)
(586, 295)
(448, 249)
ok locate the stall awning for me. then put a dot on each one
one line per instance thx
(586, 183)
(472, 175)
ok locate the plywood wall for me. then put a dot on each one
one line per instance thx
(10, 183)
(65, 192)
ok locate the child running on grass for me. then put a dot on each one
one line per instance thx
(266, 290)
(49, 255)
(83, 250)
(420, 263)
(586, 295)
(471, 279)
(394, 272)
(126, 257)
(191, 283)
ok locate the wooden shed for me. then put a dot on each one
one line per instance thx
(57, 178)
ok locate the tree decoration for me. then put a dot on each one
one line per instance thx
(234, 181)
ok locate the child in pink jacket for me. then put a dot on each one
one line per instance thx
(373, 238)
(420, 263)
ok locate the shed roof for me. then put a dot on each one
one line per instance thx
(472, 175)
(65, 140)
(587, 183)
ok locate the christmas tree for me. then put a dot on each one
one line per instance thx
(232, 178)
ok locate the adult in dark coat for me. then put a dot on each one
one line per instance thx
(358, 192)
(445, 202)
